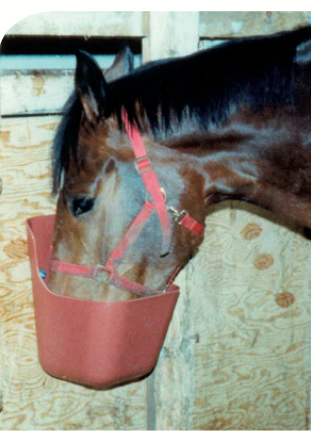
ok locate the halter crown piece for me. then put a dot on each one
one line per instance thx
(106, 273)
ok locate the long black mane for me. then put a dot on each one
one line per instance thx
(206, 86)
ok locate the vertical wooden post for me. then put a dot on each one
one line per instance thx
(171, 388)
(170, 34)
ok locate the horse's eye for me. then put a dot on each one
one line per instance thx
(81, 205)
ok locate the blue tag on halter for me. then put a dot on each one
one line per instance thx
(43, 274)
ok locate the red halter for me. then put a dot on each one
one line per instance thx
(106, 273)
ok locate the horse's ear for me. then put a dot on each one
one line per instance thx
(90, 86)
(122, 65)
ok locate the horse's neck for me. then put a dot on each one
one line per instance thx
(261, 159)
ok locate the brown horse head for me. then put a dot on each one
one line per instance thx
(103, 192)
(230, 122)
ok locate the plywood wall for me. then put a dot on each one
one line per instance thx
(237, 355)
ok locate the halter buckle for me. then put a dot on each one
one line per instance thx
(101, 274)
(143, 164)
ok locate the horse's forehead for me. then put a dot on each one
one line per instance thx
(93, 137)
(99, 149)
(103, 142)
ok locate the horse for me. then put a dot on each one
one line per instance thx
(141, 154)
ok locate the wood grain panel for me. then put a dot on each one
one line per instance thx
(89, 23)
(252, 359)
(32, 400)
(239, 343)
(245, 23)
(40, 92)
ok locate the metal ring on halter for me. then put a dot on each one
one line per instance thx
(178, 215)
(173, 211)
(162, 191)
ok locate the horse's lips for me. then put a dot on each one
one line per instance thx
(97, 344)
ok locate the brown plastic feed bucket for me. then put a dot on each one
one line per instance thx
(94, 343)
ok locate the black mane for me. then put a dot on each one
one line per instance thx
(205, 86)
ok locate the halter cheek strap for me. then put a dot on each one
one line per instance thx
(106, 273)
(150, 180)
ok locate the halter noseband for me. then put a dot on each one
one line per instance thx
(106, 273)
